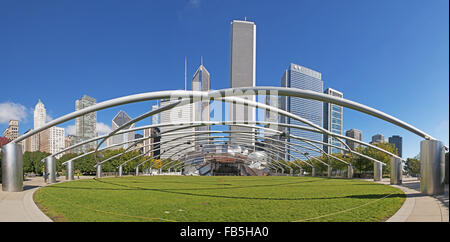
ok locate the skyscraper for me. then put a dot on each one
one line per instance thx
(201, 82)
(56, 140)
(378, 138)
(86, 125)
(178, 114)
(353, 133)
(150, 133)
(50, 140)
(40, 116)
(155, 118)
(26, 143)
(273, 117)
(12, 132)
(297, 76)
(397, 140)
(333, 122)
(120, 119)
(243, 70)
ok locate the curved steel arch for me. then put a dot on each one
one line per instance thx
(261, 138)
(257, 127)
(190, 146)
(293, 92)
(193, 145)
(224, 95)
(203, 132)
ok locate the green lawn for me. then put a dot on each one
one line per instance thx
(190, 199)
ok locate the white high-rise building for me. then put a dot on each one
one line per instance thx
(178, 114)
(243, 70)
(51, 140)
(40, 116)
(56, 140)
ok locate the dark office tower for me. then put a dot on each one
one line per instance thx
(303, 78)
(201, 109)
(398, 142)
(353, 133)
(243, 70)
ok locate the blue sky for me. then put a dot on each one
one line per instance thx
(389, 55)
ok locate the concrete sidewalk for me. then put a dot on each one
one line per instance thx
(19, 206)
(419, 207)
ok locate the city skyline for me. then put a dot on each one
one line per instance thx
(426, 116)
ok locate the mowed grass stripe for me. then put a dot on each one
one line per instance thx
(178, 198)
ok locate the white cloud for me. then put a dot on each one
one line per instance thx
(70, 130)
(9, 110)
(48, 118)
(103, 129)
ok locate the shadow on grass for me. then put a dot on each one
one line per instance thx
(176, 191)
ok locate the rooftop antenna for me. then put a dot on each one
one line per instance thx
(245, 18)
(201, 60)
(185, 73)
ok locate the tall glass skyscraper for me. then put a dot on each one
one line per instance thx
(398, 142)
(119, 120)
(297, 76)
(201, 110)
(333, 122)
(86, 125)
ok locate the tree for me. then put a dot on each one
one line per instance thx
(412, 166)
(32, 162)
(363, 165)
(62, 159)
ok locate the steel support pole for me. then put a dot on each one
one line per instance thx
(137, 171)
(50, 169)
(99, 171)
(301, 172)
(12, 168)
(350, 172)
(377, 171)
(396, 171)
(329, 171)
(69, 171)
(446, 168)
(313, 171)
(120, 170)
(432, 163)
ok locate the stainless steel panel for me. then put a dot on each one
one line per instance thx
(396, 171)
(12, 168)
(432, 167)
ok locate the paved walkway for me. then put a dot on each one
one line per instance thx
(419, 207)
(20, 207)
